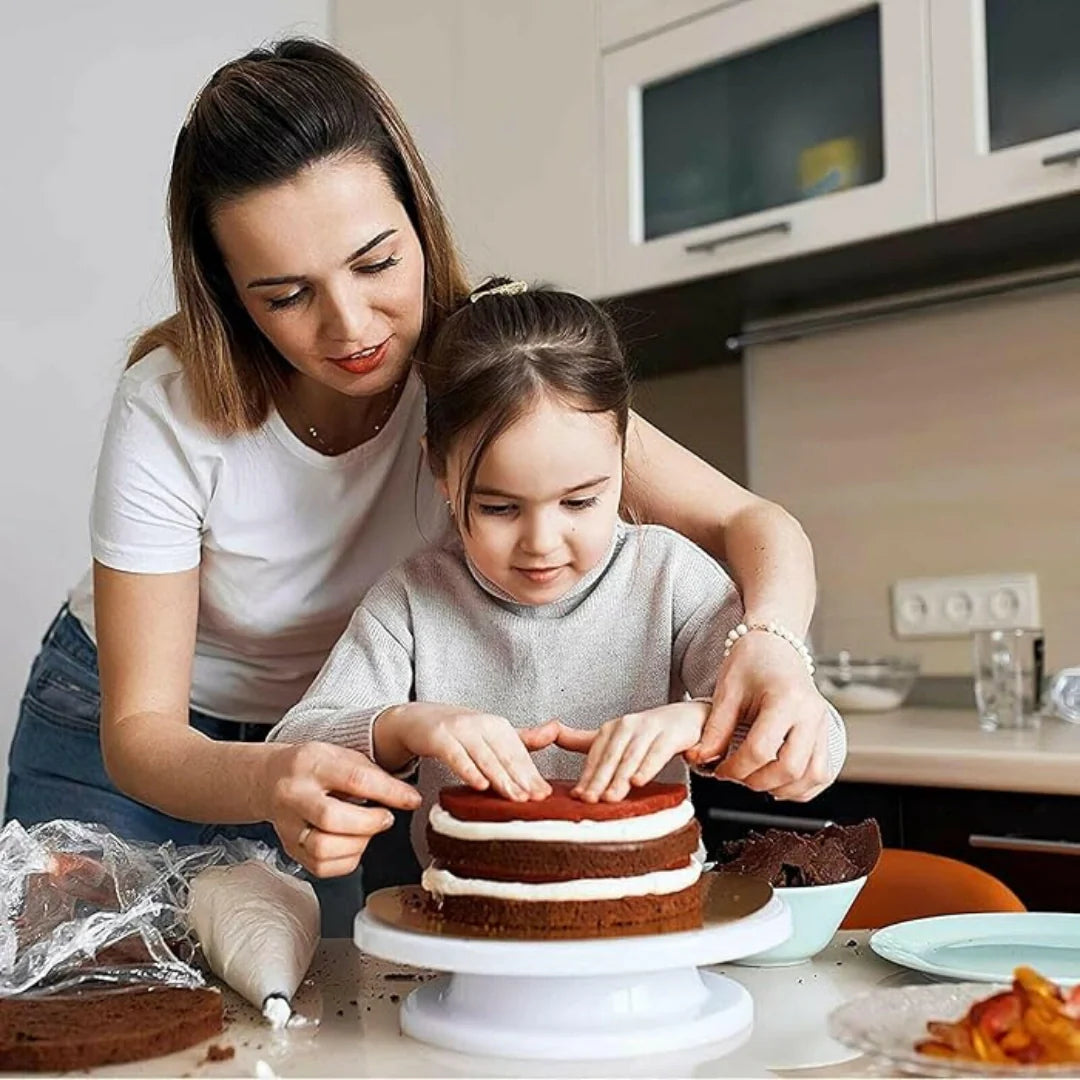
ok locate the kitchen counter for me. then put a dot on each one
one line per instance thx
(946, 748)
(355, 999)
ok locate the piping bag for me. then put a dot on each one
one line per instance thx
(258, 928)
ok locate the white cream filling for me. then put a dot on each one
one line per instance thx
(643, 827)
(658, 883)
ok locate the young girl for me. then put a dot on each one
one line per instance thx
(546, 625)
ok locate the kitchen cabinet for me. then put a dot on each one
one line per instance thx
(729, 811)
(763, 130)
(1006, 102)
(623, 20)
(1029, 841)
(622, 146)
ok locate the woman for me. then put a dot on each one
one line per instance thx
(261, 467)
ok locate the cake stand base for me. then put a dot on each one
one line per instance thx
(580, 1017)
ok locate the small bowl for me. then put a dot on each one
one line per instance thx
(874, 685)
(816, 914)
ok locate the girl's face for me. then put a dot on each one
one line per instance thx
(330, 269)
(546, 500)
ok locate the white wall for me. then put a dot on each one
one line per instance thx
(91, 98)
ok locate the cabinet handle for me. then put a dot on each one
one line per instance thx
(768, 821)
(1022, 843)
(706, 247)
(1066, 157)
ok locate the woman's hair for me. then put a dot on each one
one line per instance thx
(260, 121)
(504, 350)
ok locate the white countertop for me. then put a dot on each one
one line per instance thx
(356, 999)
(946, 748)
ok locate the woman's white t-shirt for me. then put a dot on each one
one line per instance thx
(287, 540)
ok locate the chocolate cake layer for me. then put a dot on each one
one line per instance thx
(536, 861)
(790, 859)
(83, 1030)
(468, 805)
(550, 918)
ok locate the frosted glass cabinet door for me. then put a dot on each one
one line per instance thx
(1006, 79)
(763, 130)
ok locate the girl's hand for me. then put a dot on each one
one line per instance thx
(307, 791)
(483, 750)
(765, 682)
(630, 750)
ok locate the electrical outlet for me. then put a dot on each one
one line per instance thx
(955, 606)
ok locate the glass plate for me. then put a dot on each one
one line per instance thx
(886, 1024)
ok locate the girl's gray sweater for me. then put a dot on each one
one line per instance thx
(643, 628)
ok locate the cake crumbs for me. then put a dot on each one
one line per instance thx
(395, 998)
(341, 1012)
(214, 1052)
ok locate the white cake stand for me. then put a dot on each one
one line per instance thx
(577, 999)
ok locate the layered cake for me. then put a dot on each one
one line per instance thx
(565, 867)
(787, 859)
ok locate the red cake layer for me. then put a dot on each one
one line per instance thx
(466, 804)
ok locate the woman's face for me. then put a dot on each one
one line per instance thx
(330, 269)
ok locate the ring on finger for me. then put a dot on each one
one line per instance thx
(305, 832)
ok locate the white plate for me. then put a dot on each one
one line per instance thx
(886, 1024)
(986, 948)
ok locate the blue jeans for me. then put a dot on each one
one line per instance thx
(55, 767)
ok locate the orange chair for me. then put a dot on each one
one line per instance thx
(915, 884)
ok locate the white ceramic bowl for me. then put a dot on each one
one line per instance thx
(816, 914)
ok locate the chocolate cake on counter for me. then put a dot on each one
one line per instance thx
(83, 1030)
(528, 869)
(788, 859)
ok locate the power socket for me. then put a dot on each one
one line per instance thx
(955, 606)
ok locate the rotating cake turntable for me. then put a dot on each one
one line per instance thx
(577, 998)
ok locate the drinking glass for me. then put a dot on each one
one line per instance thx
(1008, 677)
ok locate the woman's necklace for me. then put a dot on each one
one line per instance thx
(325, 446)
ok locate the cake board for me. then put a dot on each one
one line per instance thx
(577, 998)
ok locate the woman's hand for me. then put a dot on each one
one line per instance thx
(308, 791)
(786, 753)
(630, 750)
(482, 749)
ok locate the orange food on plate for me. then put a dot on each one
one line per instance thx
(1034, 1023)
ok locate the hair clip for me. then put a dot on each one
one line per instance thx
(507, 288)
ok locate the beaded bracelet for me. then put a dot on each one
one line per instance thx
(770, 628)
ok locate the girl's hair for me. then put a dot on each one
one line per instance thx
(505, 349)
(260, 121)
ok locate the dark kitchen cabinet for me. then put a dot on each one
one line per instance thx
(1031, 842)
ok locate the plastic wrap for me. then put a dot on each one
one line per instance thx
(81, 907)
